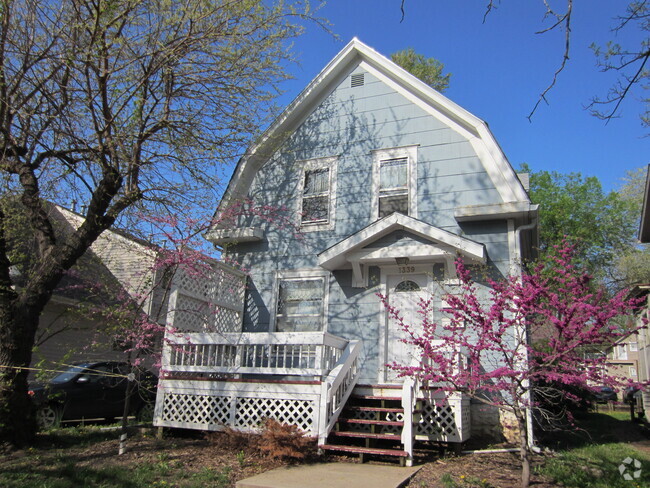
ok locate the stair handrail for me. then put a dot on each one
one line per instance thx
(336, 389)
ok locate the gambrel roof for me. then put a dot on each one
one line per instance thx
(354, 54)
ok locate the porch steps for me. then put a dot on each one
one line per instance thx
(371, 424)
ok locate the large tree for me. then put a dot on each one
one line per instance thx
(602, 224)
(633, 266)
(426, 69)
(124, 106)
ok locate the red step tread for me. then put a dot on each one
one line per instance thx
(378, 386)
(364, 450)
(373, 397)
(366, 435)
(375, 409)
(398, 423)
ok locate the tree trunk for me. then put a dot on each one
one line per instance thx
(524, 451)
(18, 326)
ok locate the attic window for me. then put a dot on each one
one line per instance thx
(357, 80)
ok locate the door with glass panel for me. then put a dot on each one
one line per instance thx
(406, 294)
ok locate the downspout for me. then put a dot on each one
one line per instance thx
(530, 226)
(518, 231)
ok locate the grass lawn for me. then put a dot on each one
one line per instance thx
(588, 456)
(87, 457)
(591, 456)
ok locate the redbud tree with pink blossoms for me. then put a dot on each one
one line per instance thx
(499, 366)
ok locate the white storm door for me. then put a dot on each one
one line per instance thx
(405, 294)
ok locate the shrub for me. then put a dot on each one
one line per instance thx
(282, 441)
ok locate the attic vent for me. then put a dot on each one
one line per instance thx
(356, 80)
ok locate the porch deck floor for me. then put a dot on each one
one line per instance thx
(332, 475)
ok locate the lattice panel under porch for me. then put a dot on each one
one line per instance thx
(195, 409)
(251, 412)
(439, 421)
(202, 410)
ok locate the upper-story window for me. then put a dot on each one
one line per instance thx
(394, 181)
(318, 194)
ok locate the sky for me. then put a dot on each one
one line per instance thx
(499, 67)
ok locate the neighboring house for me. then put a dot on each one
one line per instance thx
(386, 182)
(641, 291)
(76, 324)
(623, 358)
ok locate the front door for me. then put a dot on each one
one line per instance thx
(405, 294)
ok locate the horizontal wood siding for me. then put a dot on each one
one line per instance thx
(350, 123)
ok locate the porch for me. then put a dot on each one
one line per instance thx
(214, 376)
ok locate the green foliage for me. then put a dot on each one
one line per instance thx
(603, 225)
(429, 70)
(596, 466)
(56, 464)
(633, 266)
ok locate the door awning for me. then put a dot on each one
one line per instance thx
(432, 244)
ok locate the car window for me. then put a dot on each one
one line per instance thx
(68, 374)
(96, 373)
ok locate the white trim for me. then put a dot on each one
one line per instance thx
(381, 155)
(330, 163)
(507, 210)
(228, 236)
(336, 257)
(300, 274)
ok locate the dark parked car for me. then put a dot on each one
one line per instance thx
(93, 390)
(604, 394)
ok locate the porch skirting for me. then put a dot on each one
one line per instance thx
(216, 405)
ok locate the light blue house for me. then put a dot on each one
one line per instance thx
(383, 182)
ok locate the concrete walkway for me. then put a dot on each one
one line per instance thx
(332, 475)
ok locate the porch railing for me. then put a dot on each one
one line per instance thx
(336, 389)
(329, 363)
(279, 353)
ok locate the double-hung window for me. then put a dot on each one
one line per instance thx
(394, 181)
(300, 304)
(393, 186)
(317, 194)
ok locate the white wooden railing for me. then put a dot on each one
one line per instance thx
(410, 394)
(329, 363)
(277, 353)
(336, 389)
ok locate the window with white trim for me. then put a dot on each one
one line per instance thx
(632, 371)
(394, 181)
(300, 304)
(634, 347)
(317, 194)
